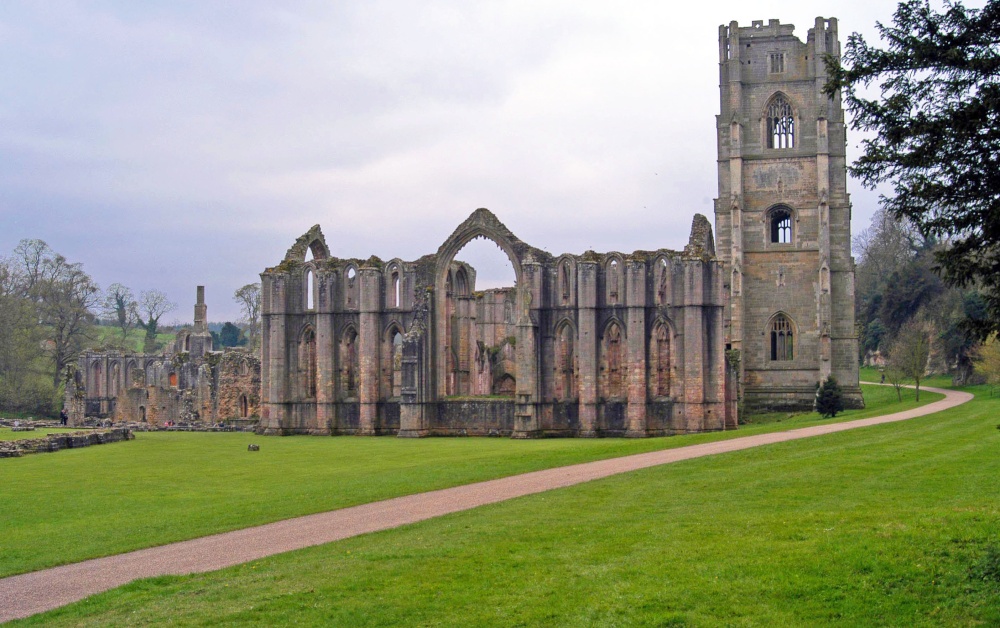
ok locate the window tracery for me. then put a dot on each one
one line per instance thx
(782, 339)
(780, 123)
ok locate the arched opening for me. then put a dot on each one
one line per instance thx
(142, 414)
(310, 290)
(96, 377)
(349, 363)
(662, 282)
(565, 282)
(187, 342)
(565, 367)
(114, 381)
(782, 338)
(780, 123)
(393, 292)
(612, 362)
(397, 364)
(172, 378)
(391, 381)
(351, 288)
(613, 279)
(480, 296)
(780, 225)
(244, 407)
(659, 361)
(307, 362)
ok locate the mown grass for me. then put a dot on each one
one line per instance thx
(166, 487)
(895, 525)
(8, 434)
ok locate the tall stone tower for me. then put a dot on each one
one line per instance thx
(783, 215)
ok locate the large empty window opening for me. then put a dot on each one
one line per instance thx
(781, 339)
(781, 226)
(780, 124)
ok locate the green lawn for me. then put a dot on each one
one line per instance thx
(171, 486)
(893, 525)
(134, 341)
(9, 434)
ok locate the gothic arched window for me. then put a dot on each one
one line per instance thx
(659, 361)
(780, 123)
(565, 383)
(564, 282)
(780, 225)
(307, 362)
(782, 339)
(613, 281)
(613, 363)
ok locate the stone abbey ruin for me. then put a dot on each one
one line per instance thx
(638, 344)
(189, 383)
(593, 344)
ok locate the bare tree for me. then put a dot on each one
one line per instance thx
(910, 351)
(66, 297)
(249, 299)
(29, 262)
(152, 305)
(120, 306)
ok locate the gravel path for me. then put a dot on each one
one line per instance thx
(30, 593)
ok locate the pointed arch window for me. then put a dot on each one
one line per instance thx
(351, 288)
(780, 225)
(565, 359)
(661, 282)
(659, 361)
(564, 283)
(395, 288)
(782, 339)
(310, 290)
(349, 363)
(613, 282)
(307, 362)
(613, 363)
(780, 123)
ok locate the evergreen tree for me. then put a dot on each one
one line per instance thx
(829, 398)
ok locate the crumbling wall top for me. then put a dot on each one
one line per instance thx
(311, 240)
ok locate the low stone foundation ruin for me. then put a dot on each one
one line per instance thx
(69, 440)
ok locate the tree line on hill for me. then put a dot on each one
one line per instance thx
(51, 310)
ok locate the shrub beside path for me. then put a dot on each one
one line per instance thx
(35, 592)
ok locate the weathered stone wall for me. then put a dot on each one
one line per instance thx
(582, 345)
(69, 440)
(190, 384)
(782, 154)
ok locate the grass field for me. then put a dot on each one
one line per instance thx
(168, 486)
(134, 341)
(8, 434)
(890, 525)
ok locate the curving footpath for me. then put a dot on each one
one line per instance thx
(35, 592)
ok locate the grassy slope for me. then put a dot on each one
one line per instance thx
(889, 525)
(135, 338)
(166, 487)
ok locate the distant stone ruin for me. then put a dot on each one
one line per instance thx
(189, 384)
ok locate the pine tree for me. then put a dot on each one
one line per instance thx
(829, 398)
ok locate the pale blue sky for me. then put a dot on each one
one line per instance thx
(171, 144)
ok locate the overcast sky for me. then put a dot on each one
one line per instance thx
(173, 144)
